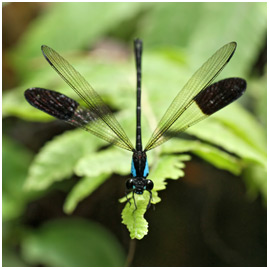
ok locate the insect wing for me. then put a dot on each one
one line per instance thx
(104, 119)
(64, 108)
(209, 101)
(190, 103)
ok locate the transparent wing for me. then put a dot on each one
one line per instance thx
(184, 107)
(64, 108)
(209, 101)
(105, 121)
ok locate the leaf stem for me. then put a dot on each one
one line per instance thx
(131, 252)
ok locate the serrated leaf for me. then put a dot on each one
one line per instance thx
(81, 190)
(72, 243)
(191, 54)
(169, 166)
(57, 159)
(133, 217)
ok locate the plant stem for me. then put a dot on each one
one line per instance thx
(131, 253)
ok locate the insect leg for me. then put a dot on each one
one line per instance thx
(128, 199)
(134, 202)
(150, 199)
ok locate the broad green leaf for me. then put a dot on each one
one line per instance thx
(98, 74)
(193, 34)
(214, 132)
(213, 155)
(233, 28)
(169, 166)
(81, 190)
(259, 96)
(161, 19)
(75, 18)
(112, 160)
(219, 158)
(240, 121)
(57, 159)
(255, 178)
(72, 243)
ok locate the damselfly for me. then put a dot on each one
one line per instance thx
(197, 100)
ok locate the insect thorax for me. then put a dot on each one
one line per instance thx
(139, 164)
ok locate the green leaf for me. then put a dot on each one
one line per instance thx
(232, 129)
(133, 217)
(209, 18)
(16, 160)
(219, 134)
(169, 166)
(112, 160)
(240, 122)
(219, 158)
(233, 28)
(114, 14)
(255, 178)
(81, 190)
(213, 155)
(162, 20)
(99, 73)
(57, 159)
(258, 94)
(72, 243)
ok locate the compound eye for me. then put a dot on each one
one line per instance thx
(130, 184)
(149, 185)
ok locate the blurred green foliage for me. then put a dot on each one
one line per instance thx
(178, 38)
(16, 161)
(56, 244)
